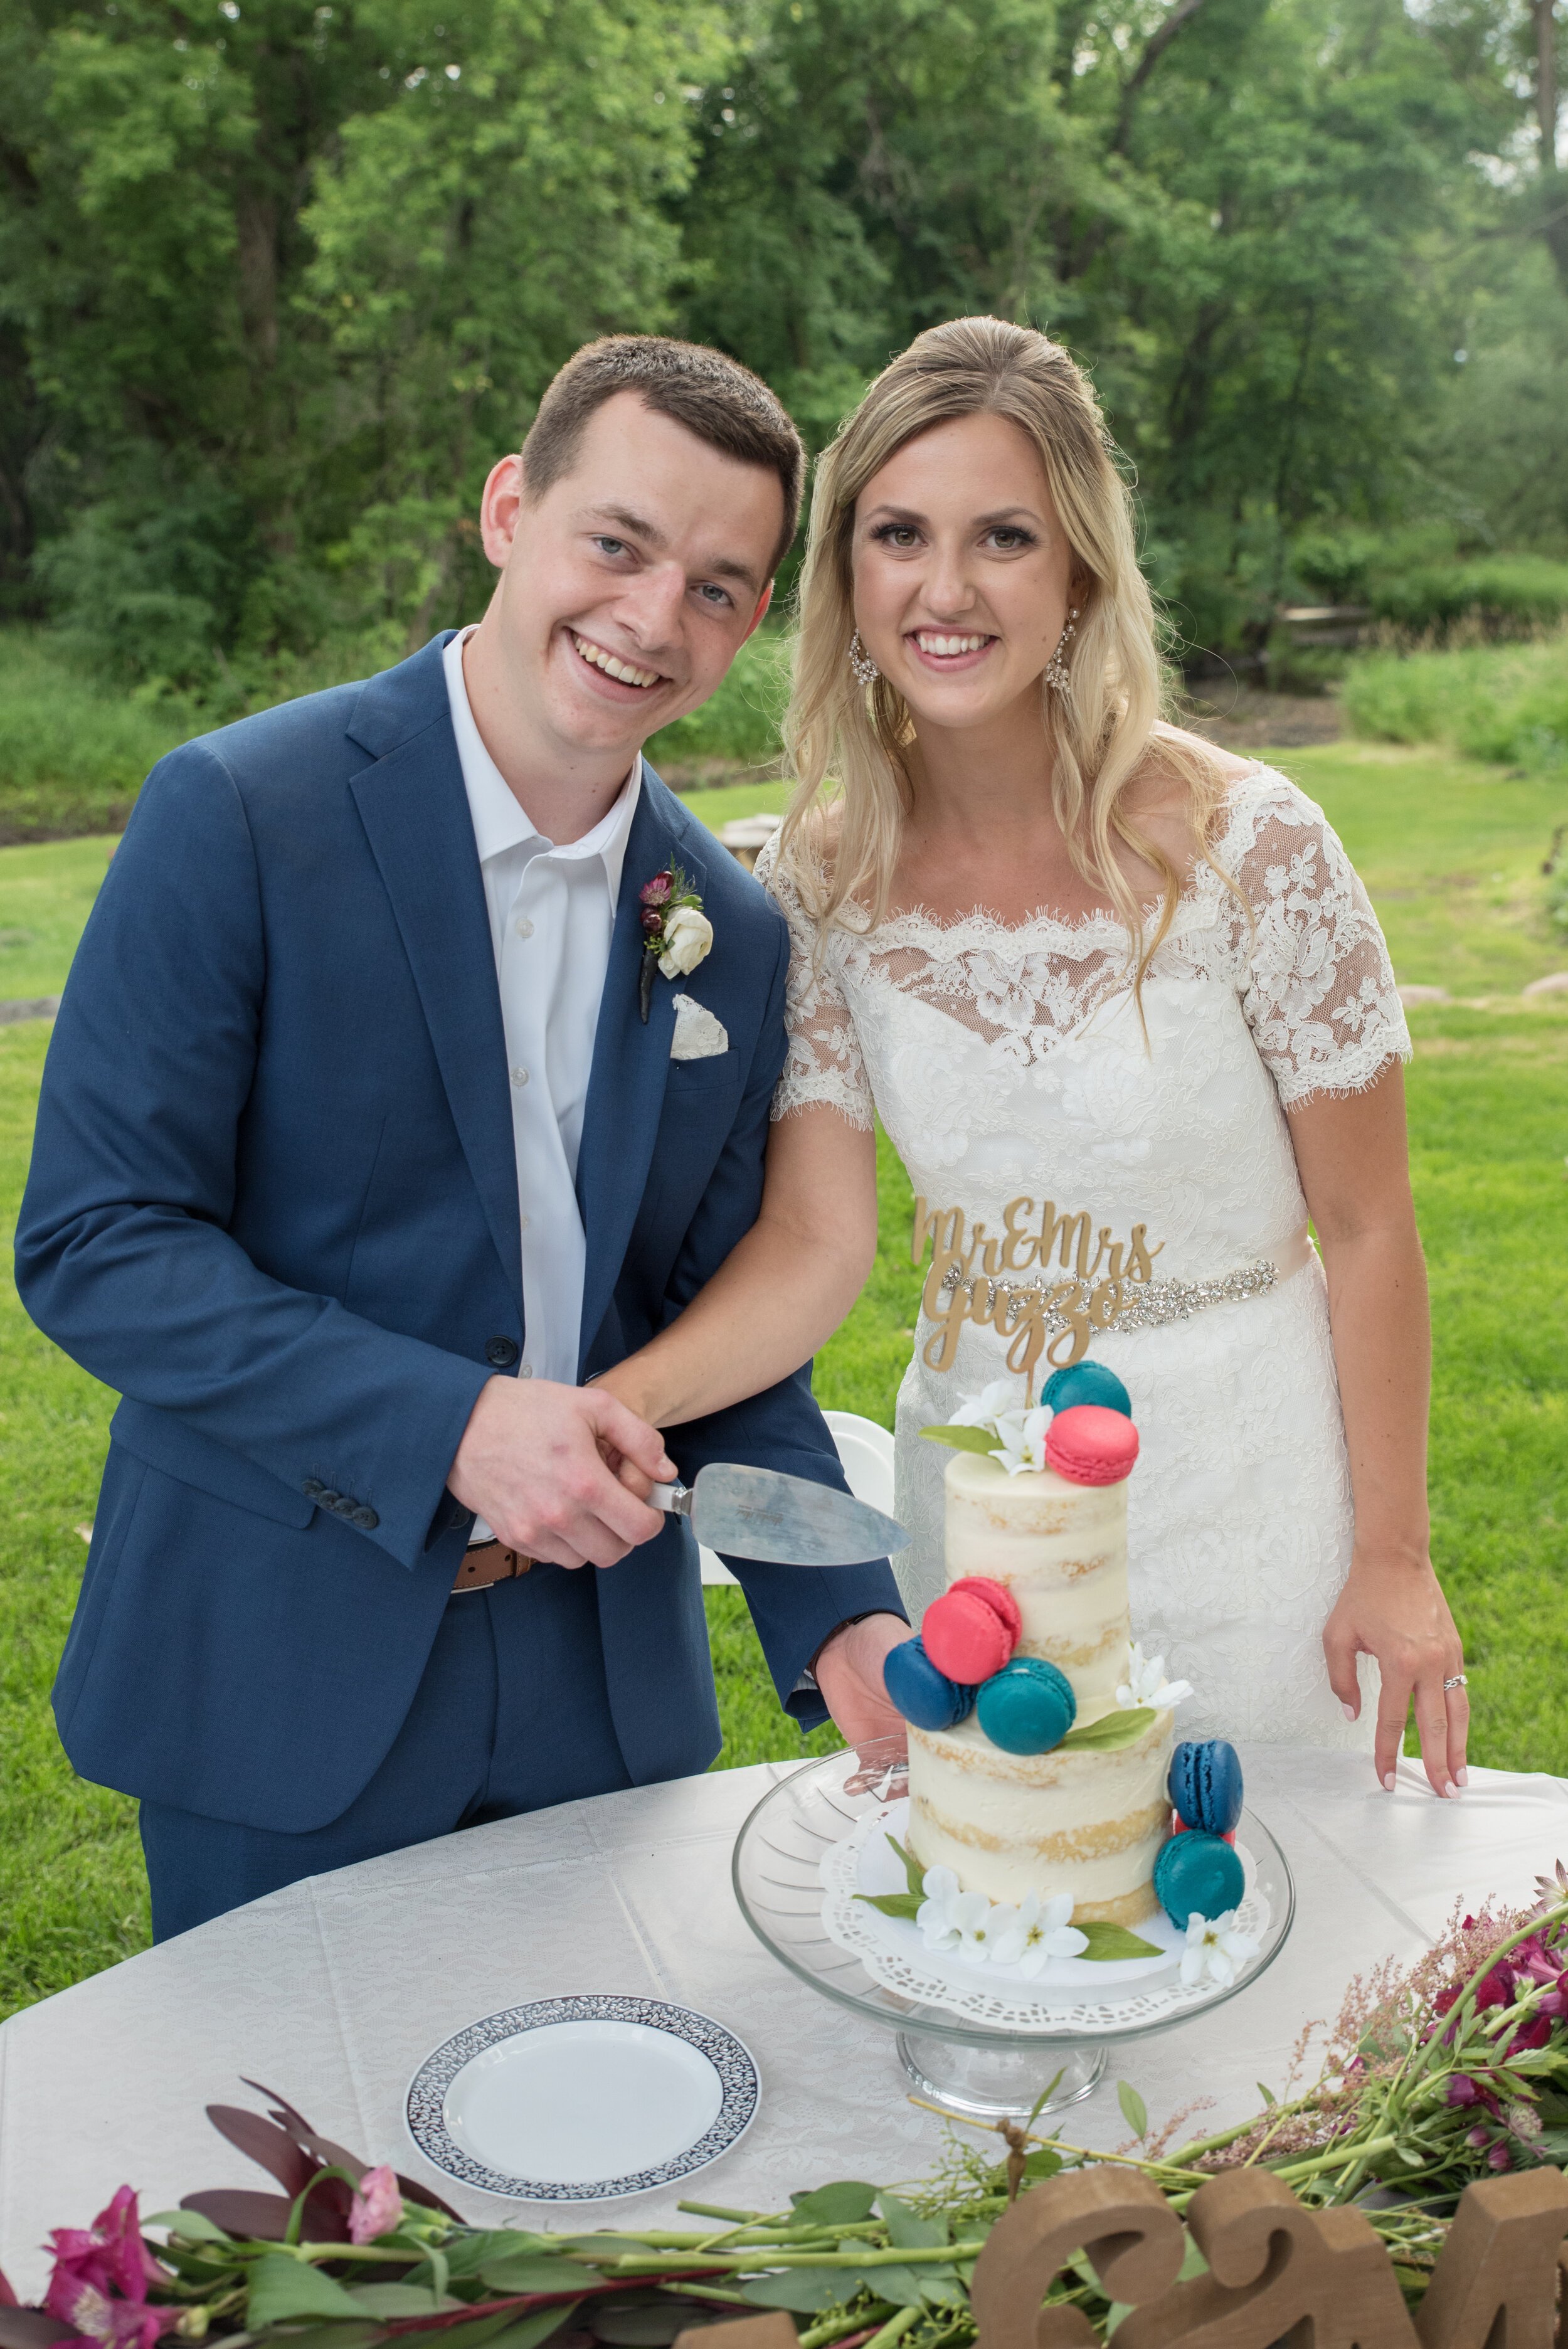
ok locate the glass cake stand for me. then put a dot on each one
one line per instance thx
(978, 2070)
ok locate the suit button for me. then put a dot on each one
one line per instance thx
(329, 1500)
(314, 1488)
(501, 1351)
(366, 1518)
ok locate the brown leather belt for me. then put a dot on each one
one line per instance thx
(487, 1562)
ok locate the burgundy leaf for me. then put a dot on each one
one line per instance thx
(262, 2217)
(33, 2328)
(264, 2143)
(7, 2297)
(295, 2125)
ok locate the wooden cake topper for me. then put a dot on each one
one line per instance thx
(971, 1278)
(1277, 2274)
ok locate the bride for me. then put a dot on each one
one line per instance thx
(1126, 1015)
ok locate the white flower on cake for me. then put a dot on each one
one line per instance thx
(964, 1924)
(939, 1887)
(1036, 1932)
(1215, 1951)
(1020, 1434)
(1146, 1683)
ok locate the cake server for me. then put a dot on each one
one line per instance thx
(782, 1520)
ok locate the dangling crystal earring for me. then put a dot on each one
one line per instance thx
(866, 671)
(1056, 667)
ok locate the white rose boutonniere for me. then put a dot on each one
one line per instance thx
(676, 933)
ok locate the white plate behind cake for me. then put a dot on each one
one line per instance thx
(580, 2099)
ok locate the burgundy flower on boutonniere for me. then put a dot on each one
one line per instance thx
(676, 933)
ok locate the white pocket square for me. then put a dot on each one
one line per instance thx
(698, 1035)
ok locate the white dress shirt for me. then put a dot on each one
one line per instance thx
(551, 911)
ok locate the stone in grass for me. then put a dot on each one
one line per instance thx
(1410, 995)
(1554, 983)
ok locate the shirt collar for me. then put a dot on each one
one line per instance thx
(500, 821)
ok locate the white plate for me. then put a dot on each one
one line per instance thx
(577, 2099)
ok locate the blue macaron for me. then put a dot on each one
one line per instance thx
(1197, 1875)
(1205, 1785)
(922, 1694)
(1086, 1383)
(1027, 1707)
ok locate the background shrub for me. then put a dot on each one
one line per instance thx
(1504, 702)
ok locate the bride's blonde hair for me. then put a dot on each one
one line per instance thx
(847, 746)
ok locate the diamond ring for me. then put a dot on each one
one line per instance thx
(1458, 1679)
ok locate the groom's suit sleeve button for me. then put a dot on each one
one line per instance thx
(500, 1352)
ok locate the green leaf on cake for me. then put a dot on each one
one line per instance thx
(899, 1904)
(962, 1439)
(1110, 1733)
(1107, 1940)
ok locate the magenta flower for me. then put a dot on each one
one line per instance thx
(100, 2278)
(1500, 2157)
(1462, 2090)
(376, 2208)
(656, 892)
(652, 921)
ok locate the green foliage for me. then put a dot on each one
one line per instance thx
(740, 723)
(72, 748)
(1505, 595)
(1507, 703)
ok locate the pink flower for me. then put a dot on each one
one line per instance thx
(376, 2208)
(652, 921)
(1462, 2090)
(100, 2278)
(1500, 2157)
(656, 892)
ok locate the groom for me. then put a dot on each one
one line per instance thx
(358, 1156)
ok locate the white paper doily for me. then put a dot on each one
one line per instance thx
(1074, 1996)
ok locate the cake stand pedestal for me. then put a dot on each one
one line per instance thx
(977, 2071)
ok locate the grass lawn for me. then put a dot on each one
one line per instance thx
(1451, 853)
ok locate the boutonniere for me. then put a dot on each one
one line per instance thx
(676, 933)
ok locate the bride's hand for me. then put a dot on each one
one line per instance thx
(1394, 1608)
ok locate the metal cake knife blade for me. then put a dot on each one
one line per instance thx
(781, 1520)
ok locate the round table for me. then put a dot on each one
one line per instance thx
(333, 1991)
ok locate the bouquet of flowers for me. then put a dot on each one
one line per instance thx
(1436, 2074)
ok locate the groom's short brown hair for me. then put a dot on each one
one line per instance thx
(714, 397)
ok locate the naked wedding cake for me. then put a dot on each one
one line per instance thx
(1040, 1744)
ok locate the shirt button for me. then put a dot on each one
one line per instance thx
(520, 1077)
(500, 1352)
(522, 927)
(525, 1370)
(522, 1223)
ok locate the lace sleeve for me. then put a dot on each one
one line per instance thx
(1319, 992)
(824, 1062)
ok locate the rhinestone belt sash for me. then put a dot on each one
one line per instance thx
(1153, 1304)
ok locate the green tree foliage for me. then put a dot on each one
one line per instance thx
(278, 282)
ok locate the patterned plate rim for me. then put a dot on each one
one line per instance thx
(425, 2108)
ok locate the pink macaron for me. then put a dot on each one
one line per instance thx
(1091, 1444)
(972, 1630)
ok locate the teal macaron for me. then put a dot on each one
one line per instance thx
(1086, 1383)
(1027, 1707)
(1197, 1875)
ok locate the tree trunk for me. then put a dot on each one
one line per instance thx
(1553, 183)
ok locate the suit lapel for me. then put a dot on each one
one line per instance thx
(415, 810)
(631, 1065)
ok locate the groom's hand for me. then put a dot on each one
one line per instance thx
(848, 1672)
(536, 1465)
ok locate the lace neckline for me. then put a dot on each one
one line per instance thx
(1098, 930)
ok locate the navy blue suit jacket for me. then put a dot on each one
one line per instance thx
(273, 1203)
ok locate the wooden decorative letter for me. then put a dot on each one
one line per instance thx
(1273, 2267)
(1123, 2225)
(1495, 2286)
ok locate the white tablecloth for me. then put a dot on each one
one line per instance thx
(334, 1991)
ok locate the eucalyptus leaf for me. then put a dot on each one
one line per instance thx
(399, 2300)
(526, 2272)
(962, 1439)
(902, 2286)
(1044, 2162)
(192, 2226)
(1110, 1733)
(1135, 2112)
(803, 2291)
(906, 2229)
(846, 2203)
(1108, 1940)
(468, 2254)
(528, 2331)
(282, 2289)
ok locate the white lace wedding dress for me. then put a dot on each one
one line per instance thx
(1010, 1060)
